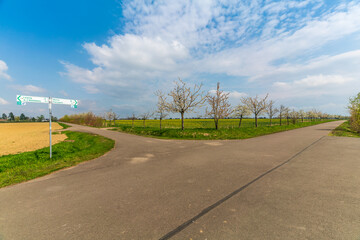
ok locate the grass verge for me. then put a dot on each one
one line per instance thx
(65, 126)
(207, 133)
(344, 130)
(78, 147)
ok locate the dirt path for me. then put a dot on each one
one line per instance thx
(299, 184)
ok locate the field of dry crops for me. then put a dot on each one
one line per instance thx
(24, 137)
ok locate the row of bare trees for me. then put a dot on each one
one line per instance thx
(183, 99)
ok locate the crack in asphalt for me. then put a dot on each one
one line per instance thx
(187, 223)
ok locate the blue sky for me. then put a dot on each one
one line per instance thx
(113, 54)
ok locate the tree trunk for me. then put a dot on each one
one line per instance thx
(160, 123)
(302, 119)
(256, 125)
(182, 121)
(241, 117)
(287, 120)
(216, 123)
(280, 119)
(270, 121)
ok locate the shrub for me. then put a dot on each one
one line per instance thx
(88, 119)
(354, 108)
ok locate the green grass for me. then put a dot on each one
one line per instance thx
(344, 130)
(64, 126)
(195, 123)
(199, 123)
(78, 147)
(196, 129)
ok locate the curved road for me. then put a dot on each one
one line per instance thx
(299, 184)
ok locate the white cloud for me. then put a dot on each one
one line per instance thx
(91, 89)
(321, 80)
(256, 60)
(3, 101)
(345, 64)
(315, 81)
(62, 92)
(128, 57)
(3, 69)
(232, 94)
(28, 88)
(315, 86)
(237, 95)
(165, 38)
(281, 42)
(147, 54)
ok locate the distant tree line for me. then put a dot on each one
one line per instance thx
(23, 118)
(184, 99)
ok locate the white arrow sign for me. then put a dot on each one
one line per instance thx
(71, 102)
(21, 100)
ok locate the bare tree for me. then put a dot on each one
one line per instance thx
(115, 116)
(219, 104)
(325, 116)
(145, 116)
(271, 110)
(133, 118)
(282, 111)
(256, 105)
(310, 115)
(287, 115)
(317, 113)
(302, 114)
(313, 114)
(110, 115)
(294, 115)
(161, 106)
(184, 99)
(240, 112)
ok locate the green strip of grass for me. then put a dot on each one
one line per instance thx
(78, 147)
(344, 130)
(211, 133)
(64, 126)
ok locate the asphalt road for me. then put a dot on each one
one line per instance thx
(299, 184)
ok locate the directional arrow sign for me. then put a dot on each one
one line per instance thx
(21, 100)
(71, 102)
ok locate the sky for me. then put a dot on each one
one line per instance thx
(116, 54)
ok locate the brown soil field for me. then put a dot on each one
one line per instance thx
(24, 137)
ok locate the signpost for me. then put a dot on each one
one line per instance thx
(22, 100)
(71, 102)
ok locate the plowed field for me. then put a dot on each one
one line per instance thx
(24, 137)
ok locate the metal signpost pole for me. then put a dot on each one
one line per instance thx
(50, 115)
(22, 100)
